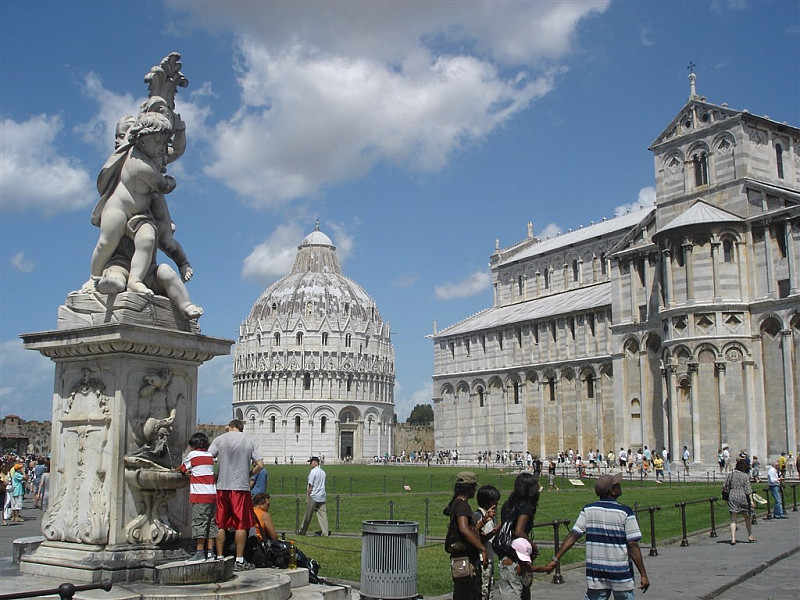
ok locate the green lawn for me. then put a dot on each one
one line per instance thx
(358, 493)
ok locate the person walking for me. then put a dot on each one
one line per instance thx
(612, 544)
(316, 497)
(740, 498)
(774, 482)
(685, 458)
(238, 459)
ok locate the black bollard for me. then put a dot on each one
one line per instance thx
(684, 539)
(297, 514)
(713, 518)
(427, 507)
(558, 578)
(652, 510)
(338, 498)
(794, 497)
(391, 510)
(769, 511)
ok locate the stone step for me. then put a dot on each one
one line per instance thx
(314, 591)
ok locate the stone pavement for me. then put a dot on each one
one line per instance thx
(709, 568)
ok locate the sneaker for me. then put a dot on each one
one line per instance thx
(243, 566)
(211, 556)
(196, 558)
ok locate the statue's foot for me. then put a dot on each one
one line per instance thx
(139, 288)
(108, 285)
(90, 286)
(192, 311)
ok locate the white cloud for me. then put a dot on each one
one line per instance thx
(26, 382)
(33, 175)
(329, 90)
(645, 35)
(405, 281)
(22, 264)
(273, 258)
(646, 199)
(473, 284)
(552, 230)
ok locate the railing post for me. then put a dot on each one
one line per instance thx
(769, 510)
(427, 507)
(297, 514)
(334, 484)
(338, 498)
(384, 484)
(652, 510)
(558, 578)
(351, 486)
(794, 497)
(282, 490)
(391, 510)
(713, 518)
(684, 539)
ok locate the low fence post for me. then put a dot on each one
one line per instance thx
(794, 497)
(769, 510)
(391, 510)
(652, 510)
(338, 498)
(684, 539)
(713, 533)
(297, 514)
(427, 507)
(558, 578)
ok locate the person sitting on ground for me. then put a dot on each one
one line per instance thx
(264, 525)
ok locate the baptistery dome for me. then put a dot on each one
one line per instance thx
(314, 364)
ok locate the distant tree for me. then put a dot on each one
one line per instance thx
(421, 414)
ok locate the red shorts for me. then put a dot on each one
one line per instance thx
(235, 509)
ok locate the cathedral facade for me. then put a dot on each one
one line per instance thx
(313, 368)
(677, 325)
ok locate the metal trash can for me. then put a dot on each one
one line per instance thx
(389, 559)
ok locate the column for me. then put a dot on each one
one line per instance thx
(695, 401)
(559, 405)
(790, 253)
(754, 417)
(667, 279)
(674, 412)
(598, 411)
(643, 395)
(770, 266)
(542, 404)
(742, 260)
(687, 261)
(715, 245)
(788, 387)
(720, 367)
(633, 292)
(665, 404)
(578, 414)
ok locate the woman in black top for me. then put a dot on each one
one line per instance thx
(520, 508)
(462, 538)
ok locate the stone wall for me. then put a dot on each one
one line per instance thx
(25, 436)
(418, 438)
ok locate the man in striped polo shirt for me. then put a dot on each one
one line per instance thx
(612, 542)
(199, 465)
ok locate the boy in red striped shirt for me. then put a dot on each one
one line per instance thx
(199, 465)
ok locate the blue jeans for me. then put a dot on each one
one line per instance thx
(775, 490)
(606, 595)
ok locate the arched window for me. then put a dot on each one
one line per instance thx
(309, 308)
(277, 339)
(366, 341)
(297, 424)
(603, 263)
(516, 392)
(347, 340)
(480, 396)
(700, 162)
(307, 381)
(369, 425)
(349, 382)
(550, 384)
(589, 386)
(779, 160)
(575, 270)
(323, 422)
(272, 424)
(519, 285)
(547, 278)
(299, 337)
(324, 338)
(727, 251)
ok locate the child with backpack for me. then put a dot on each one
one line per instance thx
(487, 496)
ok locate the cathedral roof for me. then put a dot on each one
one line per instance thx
(581, 299)
(315, 287)
(603, 228)
(700, 213)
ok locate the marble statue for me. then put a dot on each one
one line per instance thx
(132, 212)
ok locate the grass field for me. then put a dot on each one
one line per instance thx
(359, 493)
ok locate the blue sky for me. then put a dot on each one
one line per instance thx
(417, 133)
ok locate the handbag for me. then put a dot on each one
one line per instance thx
(726, 489)
(460, 568)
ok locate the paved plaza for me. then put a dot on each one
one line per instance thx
(707, 568)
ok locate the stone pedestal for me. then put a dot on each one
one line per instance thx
(124, 407)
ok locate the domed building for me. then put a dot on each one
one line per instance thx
(313, 370)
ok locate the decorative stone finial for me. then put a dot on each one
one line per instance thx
(316, 227)
(692, 79)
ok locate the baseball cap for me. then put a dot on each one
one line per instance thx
(605, 483)
(466, 477)
(524, 549)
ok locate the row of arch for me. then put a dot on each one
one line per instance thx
(299, 414)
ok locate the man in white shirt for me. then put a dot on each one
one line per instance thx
(685, 458)
(774, 483)
(316, 498)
